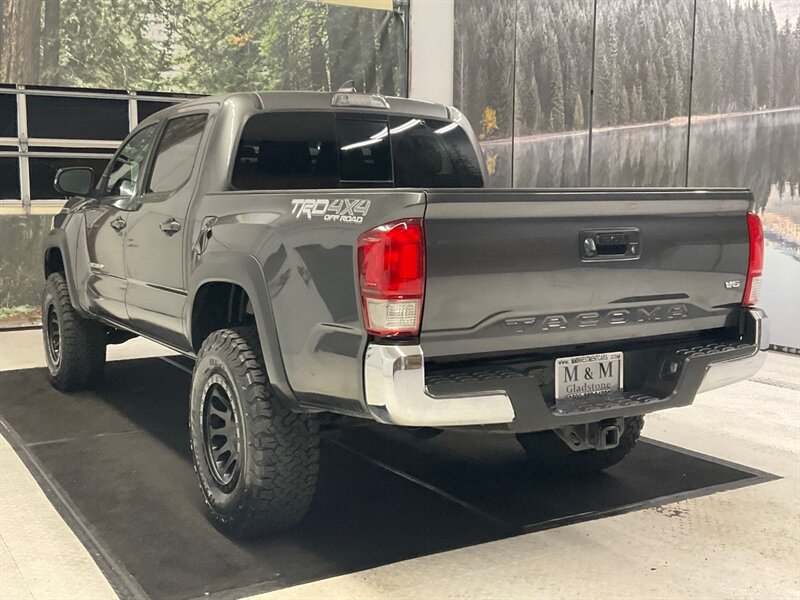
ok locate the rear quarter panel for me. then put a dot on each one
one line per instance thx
(308, 261)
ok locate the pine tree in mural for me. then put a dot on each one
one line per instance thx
(557, 92)
(577, 114)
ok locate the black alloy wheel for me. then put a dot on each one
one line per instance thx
(53, 333)
(221, 433)
(256, 460)
(74, 346)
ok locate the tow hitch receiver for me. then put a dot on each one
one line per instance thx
(599, 436)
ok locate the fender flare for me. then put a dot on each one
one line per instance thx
(57, 239)
(245, 271)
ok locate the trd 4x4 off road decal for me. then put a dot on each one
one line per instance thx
(342, 210)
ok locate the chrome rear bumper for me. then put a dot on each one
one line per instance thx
(394, 381)
(726, 372)
(396, 392)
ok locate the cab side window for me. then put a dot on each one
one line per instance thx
(287, 151)
(129, 163)
(176, 153)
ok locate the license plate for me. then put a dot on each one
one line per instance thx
(589, 374)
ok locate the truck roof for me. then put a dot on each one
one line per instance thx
(316, 101)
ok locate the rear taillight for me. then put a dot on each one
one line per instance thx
(755, 265)
(391, 271)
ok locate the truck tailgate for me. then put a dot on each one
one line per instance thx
(518, 270)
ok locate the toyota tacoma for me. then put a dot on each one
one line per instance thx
(337, 253)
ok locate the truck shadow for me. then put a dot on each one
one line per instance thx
(120, 454)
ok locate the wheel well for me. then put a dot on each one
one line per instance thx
(218, 305)
(53, 262)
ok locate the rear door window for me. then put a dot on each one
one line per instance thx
(287, 151)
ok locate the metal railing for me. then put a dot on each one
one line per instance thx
(26, 146)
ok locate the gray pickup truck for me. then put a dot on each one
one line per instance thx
(327, 254)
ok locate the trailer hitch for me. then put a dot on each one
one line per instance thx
(598, 436)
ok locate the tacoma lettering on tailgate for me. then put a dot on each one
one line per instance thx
(644, 314)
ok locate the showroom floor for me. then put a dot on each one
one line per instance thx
(709, 507)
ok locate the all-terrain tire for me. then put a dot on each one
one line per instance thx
(233, 407)
(74, 347)
(547, 453)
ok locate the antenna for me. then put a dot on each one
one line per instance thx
(348, 86)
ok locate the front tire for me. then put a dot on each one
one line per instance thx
(256, 461)
(74, 347)
(548, 453)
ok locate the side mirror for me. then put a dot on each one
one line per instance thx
(74, 181)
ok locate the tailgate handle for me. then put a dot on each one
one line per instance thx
(610, 244)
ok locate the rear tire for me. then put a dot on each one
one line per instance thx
(548, 453)
(256, 460)
(74, 347)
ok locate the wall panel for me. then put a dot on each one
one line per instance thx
(641, 92)
(553, 88)
(483, 79)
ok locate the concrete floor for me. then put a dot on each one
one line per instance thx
(740, 543)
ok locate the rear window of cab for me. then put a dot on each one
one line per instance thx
(302, 150)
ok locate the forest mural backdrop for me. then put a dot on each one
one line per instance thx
(200, 46)
(525, 67)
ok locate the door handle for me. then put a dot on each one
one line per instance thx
(171, 226)
(119, 224)
(610, 244)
